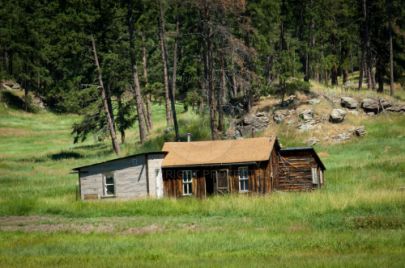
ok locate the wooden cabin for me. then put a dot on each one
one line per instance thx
(246, 166)
(204, 168)
(299, 169)
(135, 176)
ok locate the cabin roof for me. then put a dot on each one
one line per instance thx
(305, 149)
(118, 159)
(219, 152)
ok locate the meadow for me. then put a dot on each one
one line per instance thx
(356, 220)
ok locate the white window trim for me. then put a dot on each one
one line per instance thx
(105, 175)
(190, 181)
(321, 176)
(315, 177)
(243, 179)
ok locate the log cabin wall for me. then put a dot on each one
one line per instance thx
(259, 178)
(295, 171)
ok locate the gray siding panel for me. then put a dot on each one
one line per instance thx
(129, 177)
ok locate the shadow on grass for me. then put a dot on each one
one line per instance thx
(16, 102)
(65, 155)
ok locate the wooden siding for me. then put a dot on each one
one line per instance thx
(129, 178)
(294, 171)
(155, 182)
(259, 179)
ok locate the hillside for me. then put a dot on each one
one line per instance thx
(358, 219)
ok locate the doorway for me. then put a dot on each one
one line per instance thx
(209, 182)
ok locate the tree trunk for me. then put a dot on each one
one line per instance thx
(345, 76)
(136, 86)
(209, 71)
(120, 116)
(110, 124)
(145, 76)
(171, 115)
(169, 118)
(174, 75)
(391, 60)
(334, 75)
(221, 96)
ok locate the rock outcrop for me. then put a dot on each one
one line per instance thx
(349, 102)
(337, 115)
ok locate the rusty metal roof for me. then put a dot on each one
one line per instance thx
(217, 152)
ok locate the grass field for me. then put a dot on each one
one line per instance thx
(357, 220)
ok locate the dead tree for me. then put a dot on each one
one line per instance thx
(136, 86)
(110, 125)
(145, 76)
(169, 96)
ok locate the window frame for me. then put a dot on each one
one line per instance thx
(243, 179)
(227, 180)
(188, 181)
(315, 176)
(105, 184)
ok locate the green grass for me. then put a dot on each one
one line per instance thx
(357, 220)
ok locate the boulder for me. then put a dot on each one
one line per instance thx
(396, 108)
(278, 117)
(375, 106)
(359, 131)
(314, 101)
(312, 141)
(337, 115)
(348, 102)
(370, 105)
(252, 123)
(307, 115)
(307, 126)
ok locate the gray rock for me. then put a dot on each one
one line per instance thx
(251, 123)
(376, 106)
(314, 101)
(385, 104)
(348, 102)
(360, 131)
(337, 116)
(342, 137)
(260, 114)
(307, 126)
(307, 115)
(278, 117)
(396, 108)
(370, 105)
(312, 141)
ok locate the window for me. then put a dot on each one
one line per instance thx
(243, 179)
(222, 180)
(315, 179)
(321, 176)
(109, 185)
(187, 182)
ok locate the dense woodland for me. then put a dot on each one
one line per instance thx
(110, 60)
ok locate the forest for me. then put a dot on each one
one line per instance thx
(109, 61)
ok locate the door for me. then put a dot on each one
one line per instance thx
(222, 182)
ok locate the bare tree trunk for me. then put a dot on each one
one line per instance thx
(221, 96)
(174, 75)
(169, 119)
(391, 58)
(145, 76)
(110, 124)
(120, 128)
(136, 86)
(209, 71)
(334, 75)
(171, 115)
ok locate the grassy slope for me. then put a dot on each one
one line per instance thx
(358, 219)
